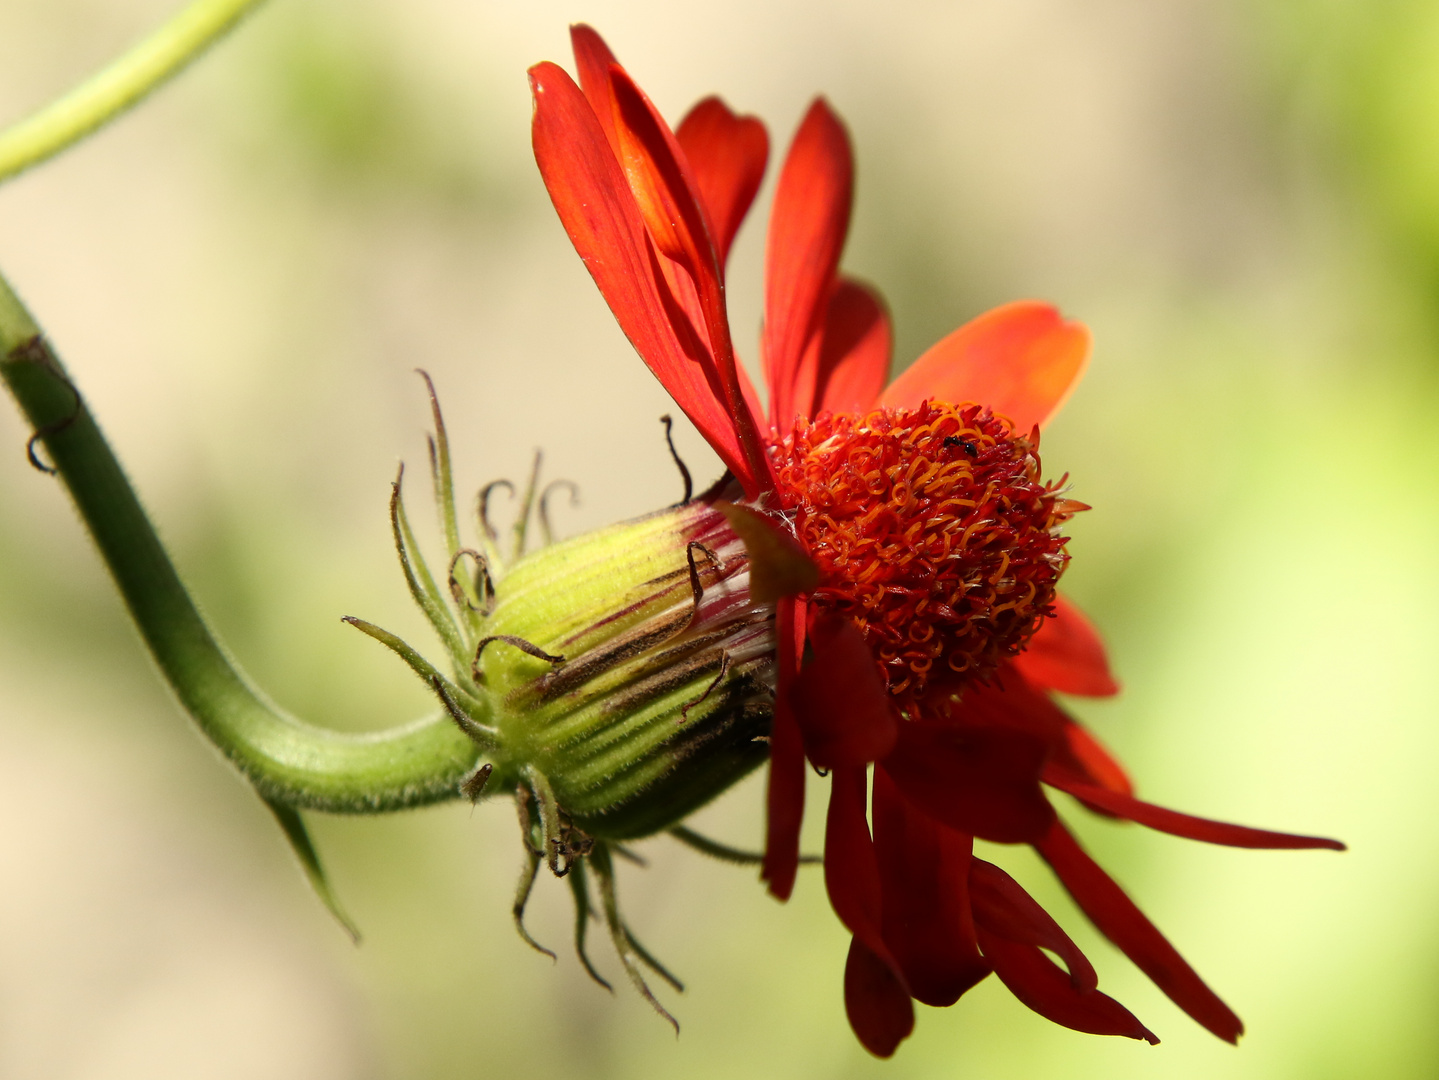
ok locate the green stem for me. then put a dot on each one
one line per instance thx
(289, 762)
(114, 89)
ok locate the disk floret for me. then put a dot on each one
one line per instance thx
(933, 531)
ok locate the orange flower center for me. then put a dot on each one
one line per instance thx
(933, 532)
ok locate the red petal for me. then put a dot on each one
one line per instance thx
(593, 61)
(982, 781)
(1082, 759)
(840, 701)
(1003, 908)
(1192, 828)
(1067, 655)
(1125, 925)
(668, 199)
(599, 213)
(875, 1001)
(806, 234)
(1040, 984)
(1022, 360)
(785, 797)
(854, 358)
(924, 870)
(851, 873)
(727, 155)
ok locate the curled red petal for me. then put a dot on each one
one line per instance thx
(1022, 360)
(1123, 923)
(1066, 654)
(924, 873)
(727, 155)
(876, 1002)
(598, 211)
(1003, 908)
(981, 781)
(1186, 825)
(785, 794)
(1040, 984)
(806, 235)
(840, 701)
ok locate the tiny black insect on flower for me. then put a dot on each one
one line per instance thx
(968, 447)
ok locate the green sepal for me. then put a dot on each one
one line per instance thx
(304, 849)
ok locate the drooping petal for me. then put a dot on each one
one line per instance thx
(924, 872)
(1003, 908)
(598, 211)
(1040, 984)
(1186, 825)
(807, 229)
(876, 1002)
(727, 155)
(851, 872)
(1022, 360)
(855, 352)
(1067, 655)
(981, 781)
(840, 701)
(785, 794)
(1124, 924)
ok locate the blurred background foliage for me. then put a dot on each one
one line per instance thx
(1241, 198)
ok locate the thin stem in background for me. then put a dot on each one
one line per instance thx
(117, 87)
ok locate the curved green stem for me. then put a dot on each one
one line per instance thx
(289, 762)
(114, 89)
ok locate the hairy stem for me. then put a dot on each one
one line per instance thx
(119, 86)
(289, 762)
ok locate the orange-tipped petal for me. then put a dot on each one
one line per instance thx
(840, 701)
(1124, 924)
(785, 794)
(875, 1001)
(598, 211)
(1188, 826)
(806, 235)
(1066, 654)
(1022, 360)
(727, 155)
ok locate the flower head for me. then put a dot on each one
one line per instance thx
(912, 544)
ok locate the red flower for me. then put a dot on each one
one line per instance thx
(930, 640)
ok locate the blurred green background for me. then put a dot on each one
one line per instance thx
(1242, 200)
